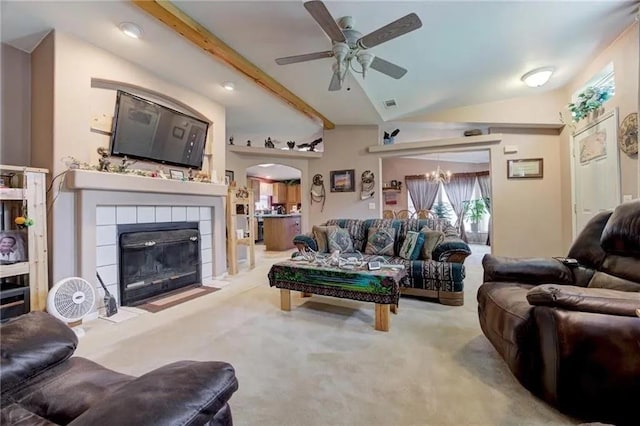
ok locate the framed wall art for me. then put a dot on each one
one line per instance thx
(526, 168)
(13, 247)
(229, 177)
(343, 181)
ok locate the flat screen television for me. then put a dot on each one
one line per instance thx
(145, 130)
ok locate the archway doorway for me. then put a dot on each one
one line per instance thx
(278, 201)
(466, 205)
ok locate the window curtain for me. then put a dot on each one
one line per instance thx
(459, 190)
(422, 192)
(484, 182)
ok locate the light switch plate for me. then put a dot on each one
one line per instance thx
(626, 197)
(372, 206)
(510, 149)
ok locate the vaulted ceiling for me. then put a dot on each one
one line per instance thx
(466, 52)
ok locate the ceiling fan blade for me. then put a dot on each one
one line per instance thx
(335, 84)
(388, 68)
(390, 31)
(319, 12)
(302, 58)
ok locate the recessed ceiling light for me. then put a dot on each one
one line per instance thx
(131, 29)
(229, 86)
(537, 77)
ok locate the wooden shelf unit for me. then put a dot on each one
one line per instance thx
(31, 191)
(235, 197)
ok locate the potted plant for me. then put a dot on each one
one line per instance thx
(474, 211)
(588, 101)
(442, 211)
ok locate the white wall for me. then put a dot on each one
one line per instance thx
(15, 142)
(345, 147)
(75, 102)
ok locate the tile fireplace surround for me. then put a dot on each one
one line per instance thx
(106, 200)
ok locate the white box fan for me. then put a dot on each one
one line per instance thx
(70, 300)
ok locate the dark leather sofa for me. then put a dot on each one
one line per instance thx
(569, 333)
(43, 385)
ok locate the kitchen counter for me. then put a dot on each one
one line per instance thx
(279, 230)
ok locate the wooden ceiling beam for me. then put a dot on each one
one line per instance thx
(188, 28)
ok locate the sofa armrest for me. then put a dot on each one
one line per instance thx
(596, 300)
(33, 343)
(304, 242)
(451, 249)
(184, 392)
(589, 364)
(533, 270)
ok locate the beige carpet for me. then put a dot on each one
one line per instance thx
(324, 364)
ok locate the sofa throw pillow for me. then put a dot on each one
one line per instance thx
(380, 241)
(339, 239)
(431, 240)
(320, 235)
(412, 245)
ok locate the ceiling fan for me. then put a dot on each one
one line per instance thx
(349, 44)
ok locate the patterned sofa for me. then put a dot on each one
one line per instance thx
(440, 278)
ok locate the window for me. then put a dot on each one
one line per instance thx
(604, 78)
(481, 224)
(441, 207)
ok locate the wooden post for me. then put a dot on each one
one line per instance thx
(394, 309)
(382, 317)
(285, 299)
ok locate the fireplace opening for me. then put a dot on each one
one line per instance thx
(156, 258)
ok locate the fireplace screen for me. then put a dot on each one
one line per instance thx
(156, 259)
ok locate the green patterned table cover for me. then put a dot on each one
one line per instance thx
(381, 286)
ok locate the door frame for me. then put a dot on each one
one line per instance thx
(574, 205)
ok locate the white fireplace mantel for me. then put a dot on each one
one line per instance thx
(93, 180)
(140, 199)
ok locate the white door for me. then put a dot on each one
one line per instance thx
(596, 166)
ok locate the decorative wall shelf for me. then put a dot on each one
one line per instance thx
(273, 152)
(103, 181)
(407, 147)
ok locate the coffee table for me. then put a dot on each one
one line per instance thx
(381, 287)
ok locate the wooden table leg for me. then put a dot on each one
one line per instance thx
(285, 299)
(305, 294)
(382, 317)
(394, 309)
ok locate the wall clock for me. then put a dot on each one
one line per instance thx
(628, 134)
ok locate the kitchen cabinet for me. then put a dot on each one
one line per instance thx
(279, 193)
(293, 194)
(279, 231)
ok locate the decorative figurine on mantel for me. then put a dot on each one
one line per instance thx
(291, 144)
(269, 143)
(248, 143)
(103, 161)
(231, 140)
(311, 145)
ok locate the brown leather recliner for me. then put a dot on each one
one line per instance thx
(569, 332)
(43, 385)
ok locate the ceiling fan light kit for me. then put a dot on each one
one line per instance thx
(537, 77)
(348, 44)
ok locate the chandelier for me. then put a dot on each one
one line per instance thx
(439, 175)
